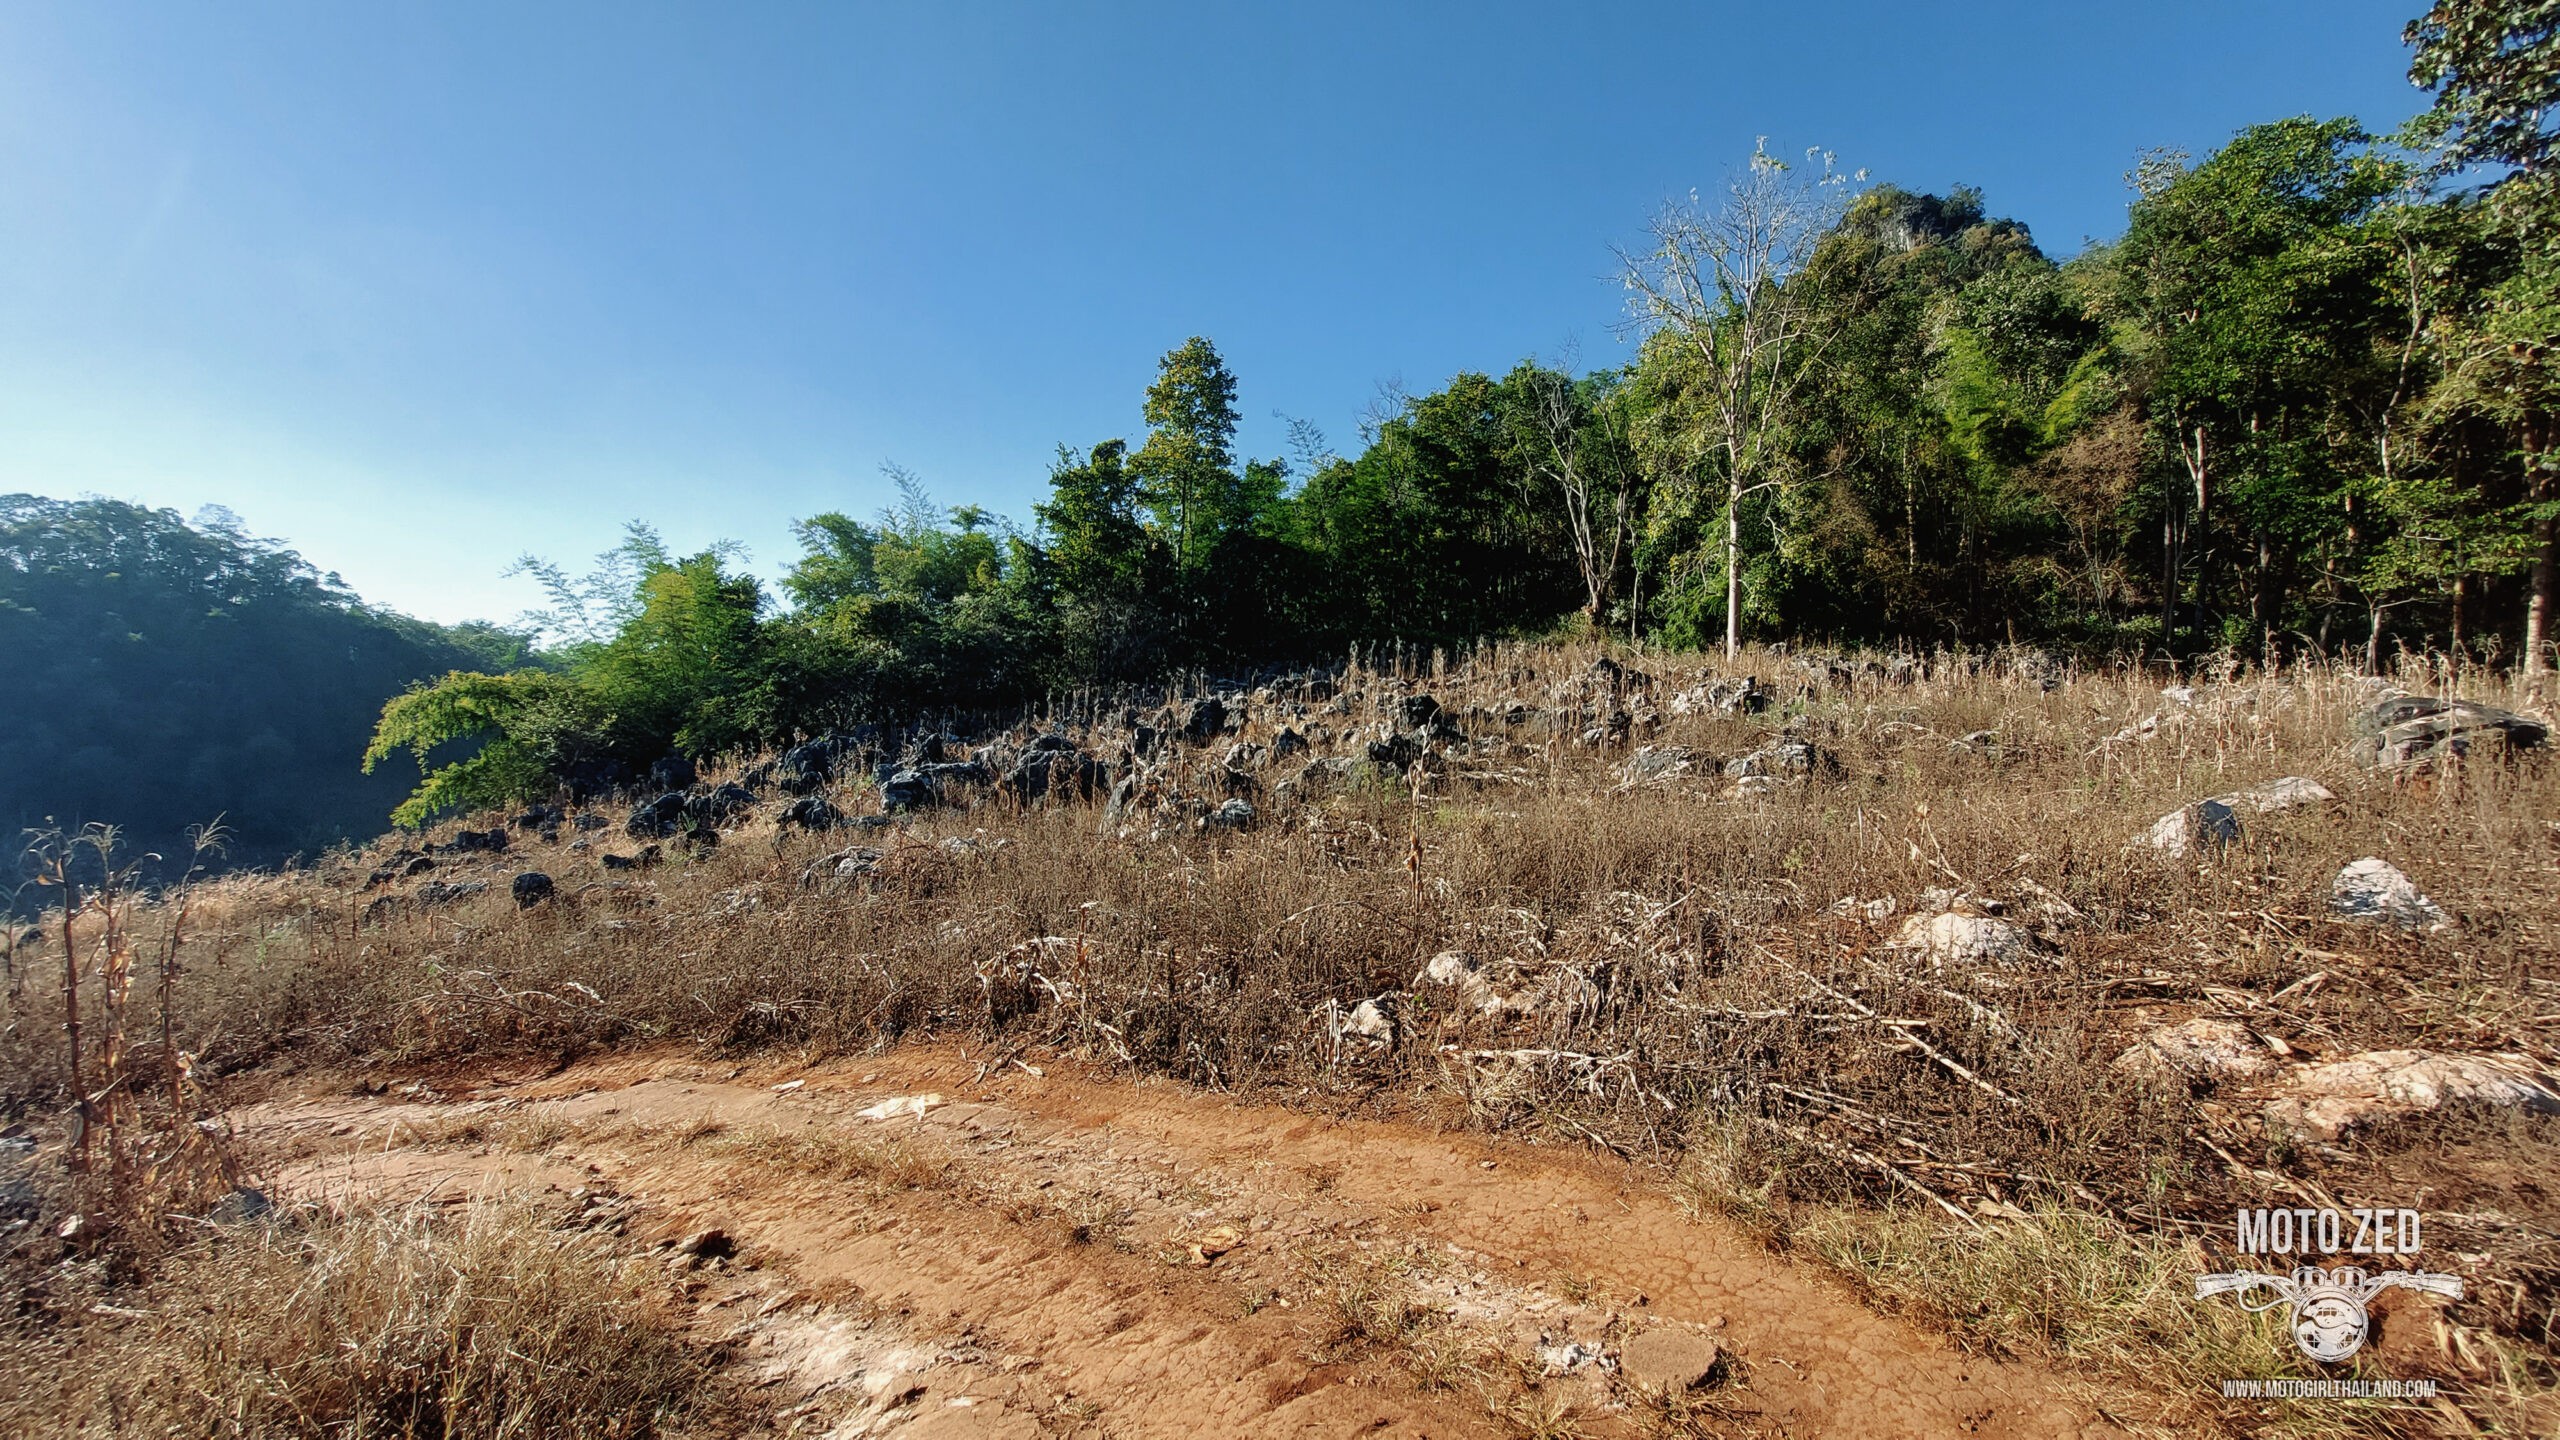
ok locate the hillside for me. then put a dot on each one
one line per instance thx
(163, 674)
(1458, 1049)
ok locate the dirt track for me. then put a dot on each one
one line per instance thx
(1055, 1254)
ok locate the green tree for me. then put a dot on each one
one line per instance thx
(2495, 68)
(2250, 290)
(1186, 468)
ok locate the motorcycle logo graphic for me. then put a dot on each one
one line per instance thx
(2329, 1318)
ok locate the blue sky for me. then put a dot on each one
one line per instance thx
(417, 288)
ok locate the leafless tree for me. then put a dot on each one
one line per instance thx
(1714, 280)
(1596, 500)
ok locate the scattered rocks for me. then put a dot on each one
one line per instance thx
(1233, 815)
(908, 790)
(242, 1206)
(1784, 758)
(1366, 1028)
(531, 888)
(467, 842)
(811, 812)
(658, 818)
(1457, 971)
(2332, 1100)
(2200, 1049)
(438, 892)
(1655, 764)
(850, 864)
(2374, 891)
(2211, 824)
(1207, 717)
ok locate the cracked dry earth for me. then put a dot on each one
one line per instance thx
(1052, 1253)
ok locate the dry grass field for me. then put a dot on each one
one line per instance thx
(1887, 970)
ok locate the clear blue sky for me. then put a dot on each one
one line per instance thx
(419, 287)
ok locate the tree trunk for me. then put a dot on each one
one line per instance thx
(2545, 594)
(2461, 594)
(1733, 568)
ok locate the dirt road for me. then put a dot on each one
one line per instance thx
(1041, 1254)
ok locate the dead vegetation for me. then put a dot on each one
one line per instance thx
(1869, 995)
(486, 1321)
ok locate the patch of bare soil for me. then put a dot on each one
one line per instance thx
(1044, 1252)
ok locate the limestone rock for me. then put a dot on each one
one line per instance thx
(2374, 891)
(2199, 1049)
(2331, 1100)
(1958, 938)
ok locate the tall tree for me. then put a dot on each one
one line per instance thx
(2495, 68)
(1713, 284)
(1187, 465)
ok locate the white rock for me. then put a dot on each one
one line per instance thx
(1369, 1021)
(2210, 1049)
(900, 1105)
(2330, 1100)
(2173, 834)
(2289, 793)
(2373, 890)
(1952, 937)
(1457, 970)
(1571, 1356)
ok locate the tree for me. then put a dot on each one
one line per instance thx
(1186, 468)
(2495, 68)
(1089, 525)
(526, 728)
(1573, 436)
(2251, 292)
(1714, 285)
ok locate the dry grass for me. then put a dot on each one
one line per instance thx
(828, 1154)
(1702, 997)
(396, 1323)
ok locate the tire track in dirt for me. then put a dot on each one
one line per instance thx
(1534, 1251)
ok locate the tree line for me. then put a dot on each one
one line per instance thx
(2301, 407)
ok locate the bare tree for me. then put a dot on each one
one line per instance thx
(1596, 501)
(1715, 282)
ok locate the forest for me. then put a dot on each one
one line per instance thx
(166, 675)
(2302, 407)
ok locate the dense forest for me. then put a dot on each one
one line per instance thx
(165, 675)
(2302, 407)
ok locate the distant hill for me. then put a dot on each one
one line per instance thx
(160, 673)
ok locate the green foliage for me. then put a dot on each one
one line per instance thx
(2495, 68)
(163, 673)
(522, 725)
